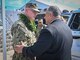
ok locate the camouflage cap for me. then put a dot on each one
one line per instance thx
(33, 6)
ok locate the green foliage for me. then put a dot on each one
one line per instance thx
(30, 25)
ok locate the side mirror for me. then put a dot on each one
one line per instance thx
(76, 34)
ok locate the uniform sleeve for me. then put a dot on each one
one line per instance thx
(43, 44)
(18, 34)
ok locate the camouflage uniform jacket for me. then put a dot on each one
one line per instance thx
(21, 33)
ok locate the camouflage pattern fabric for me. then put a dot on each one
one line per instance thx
(20, 33)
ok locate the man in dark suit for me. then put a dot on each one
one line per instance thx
(54, 42)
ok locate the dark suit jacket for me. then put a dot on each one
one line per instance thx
(54, 43)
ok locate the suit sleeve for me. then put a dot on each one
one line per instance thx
(42, 45)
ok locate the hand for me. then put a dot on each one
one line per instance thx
(18, 48)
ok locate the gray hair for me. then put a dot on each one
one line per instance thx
(55, 10)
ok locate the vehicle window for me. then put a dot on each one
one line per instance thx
(75, 24)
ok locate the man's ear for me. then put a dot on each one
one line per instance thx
(50, 14)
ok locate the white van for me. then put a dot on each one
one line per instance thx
(74, 24)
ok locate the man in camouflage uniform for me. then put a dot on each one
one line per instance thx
(23, 30)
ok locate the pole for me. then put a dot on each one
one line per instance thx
(4, 29)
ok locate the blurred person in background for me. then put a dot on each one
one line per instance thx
(54, 42)
(65, 15)
(40, 26)
(23, 30)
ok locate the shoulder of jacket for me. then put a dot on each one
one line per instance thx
(51, 28)
(17, 23)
